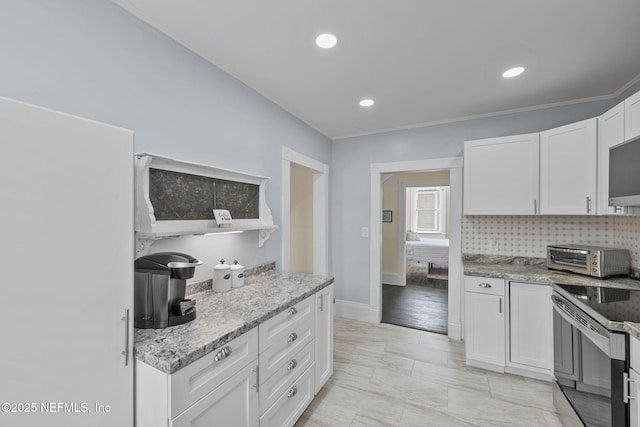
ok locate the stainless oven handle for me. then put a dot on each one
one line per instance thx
(598, 340)
(626, 396)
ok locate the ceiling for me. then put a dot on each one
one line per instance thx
(422, 61)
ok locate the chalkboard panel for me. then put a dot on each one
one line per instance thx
(182, 196)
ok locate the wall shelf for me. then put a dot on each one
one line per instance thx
(149, 230)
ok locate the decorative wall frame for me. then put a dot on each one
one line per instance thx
(149, 229)
(387, 216)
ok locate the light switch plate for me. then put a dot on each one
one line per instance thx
(364, 232)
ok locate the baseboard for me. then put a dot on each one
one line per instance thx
(356, 311)
(393, 279)
(455, 331)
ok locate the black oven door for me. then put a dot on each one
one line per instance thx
(590, 379)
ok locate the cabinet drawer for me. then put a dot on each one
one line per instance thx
(484, 285)
(292, 403)
(285, 375)
(280, 326)
(298, 335)
(196, 380)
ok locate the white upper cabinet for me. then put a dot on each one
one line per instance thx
(568, 169)
(632, 116)
(610, 133)
(501, 175)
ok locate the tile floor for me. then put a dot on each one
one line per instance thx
(386, 375)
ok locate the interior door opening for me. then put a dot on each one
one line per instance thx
(415, 260)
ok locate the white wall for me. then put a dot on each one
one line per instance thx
(93, 59)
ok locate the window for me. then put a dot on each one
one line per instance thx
(428, 209)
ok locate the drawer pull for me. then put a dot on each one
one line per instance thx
(484, 285)
(292, 337)
(292, 311)
(292, 364)
(292, 392)
(223, 354)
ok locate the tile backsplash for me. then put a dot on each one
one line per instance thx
(528, 236)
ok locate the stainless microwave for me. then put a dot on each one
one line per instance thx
(589, 260)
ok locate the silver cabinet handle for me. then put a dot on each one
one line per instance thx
(292, 365)
(535, 206)
(500, 305)
(588, 204)
(321, 302)
(257, 384)
(292, 337)
(484, 285)
(292, 311)
(626, 396)
(292, 392)
(125, 352)
(223, 354)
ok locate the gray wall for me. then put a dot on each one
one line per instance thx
(351, 158)
(93, 59)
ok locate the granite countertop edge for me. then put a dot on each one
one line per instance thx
(632, 329)
(221, 318)
(539, 274)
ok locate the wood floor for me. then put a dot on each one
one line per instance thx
(388, 376)
(421, 306)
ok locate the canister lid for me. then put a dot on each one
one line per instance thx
(221, 266)
(236, 266)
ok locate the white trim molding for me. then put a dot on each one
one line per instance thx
(393, 279)
(356, 311)
(454, 165)
(320, 209)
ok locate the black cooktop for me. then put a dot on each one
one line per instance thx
(614, 304)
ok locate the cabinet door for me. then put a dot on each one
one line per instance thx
(234, 403)
(501, 175)
(610, 133)
(568, 169)
(484, 328)
(530, 325)
(324, 337)
(632, 116)
(634, 402)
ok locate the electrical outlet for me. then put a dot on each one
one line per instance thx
(494, 245)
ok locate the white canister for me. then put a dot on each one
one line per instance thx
(221, 277)
(237, 275)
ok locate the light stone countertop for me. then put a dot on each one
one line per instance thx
(541, 275)
(222, 317)
(633, 329)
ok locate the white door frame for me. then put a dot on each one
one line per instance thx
(320, 209)
(454, 165)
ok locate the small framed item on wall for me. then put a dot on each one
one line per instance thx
(387, 216)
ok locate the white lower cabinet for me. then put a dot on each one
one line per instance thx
(508, 326)
(264, 377)
(530, 327)
(484, 322)
(324, 337)
(234, 403)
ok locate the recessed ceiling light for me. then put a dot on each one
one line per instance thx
(367, 103)
(512, 72)
(326, 41)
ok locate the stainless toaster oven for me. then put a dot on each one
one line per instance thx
(589, 260)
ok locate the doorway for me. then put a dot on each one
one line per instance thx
(454, 294)
(415, 247)
(316, 176)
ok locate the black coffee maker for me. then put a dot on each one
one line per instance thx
(160, 282)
